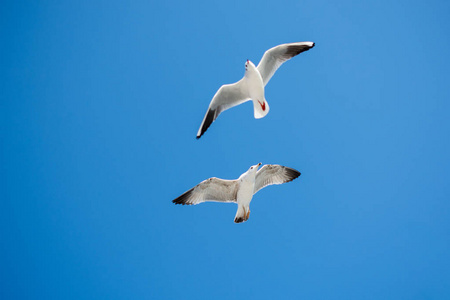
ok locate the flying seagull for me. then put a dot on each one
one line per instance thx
(251, 86)
(240, 190)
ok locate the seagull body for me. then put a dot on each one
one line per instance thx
(251, 86)
(241, 190)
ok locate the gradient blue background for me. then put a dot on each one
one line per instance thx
(100, 105)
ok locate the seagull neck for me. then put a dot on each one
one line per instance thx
(251, 71)
(248, 176)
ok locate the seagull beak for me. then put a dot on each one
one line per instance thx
(259, 164)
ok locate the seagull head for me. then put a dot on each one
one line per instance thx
(254, 168)
(247, 64)
(251, 173)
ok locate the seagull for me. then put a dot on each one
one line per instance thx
(240, 190)
(251, 86)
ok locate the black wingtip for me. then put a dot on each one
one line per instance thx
(294, 50)
(184, 199)
(209, 118)
(292, 174)
(178, 201)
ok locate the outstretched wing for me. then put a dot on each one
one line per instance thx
(226, 97)
(273, 174)
(212, 189)
(276, 56)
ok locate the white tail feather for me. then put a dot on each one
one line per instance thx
(260, 108)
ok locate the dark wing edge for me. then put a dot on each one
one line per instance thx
(274, 174)
(227, 96)
(294, 50)
(212, 189)
(276, 56)
(291, 174)
(210, 116)
(184, 199)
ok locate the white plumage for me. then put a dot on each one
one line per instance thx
(251, 86)
(240, 190)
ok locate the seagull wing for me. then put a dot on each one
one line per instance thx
(226, 97)
(276, 56)
(212, 189)
(274, 174)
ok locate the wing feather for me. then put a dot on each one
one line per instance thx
(227, 96)
(276, 56)
(212, 189)
(274, 174)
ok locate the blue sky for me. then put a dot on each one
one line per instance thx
(100, 105)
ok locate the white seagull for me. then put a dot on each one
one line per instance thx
(251, 86)
(240, 190)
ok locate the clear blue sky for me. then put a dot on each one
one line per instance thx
(100, 105)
